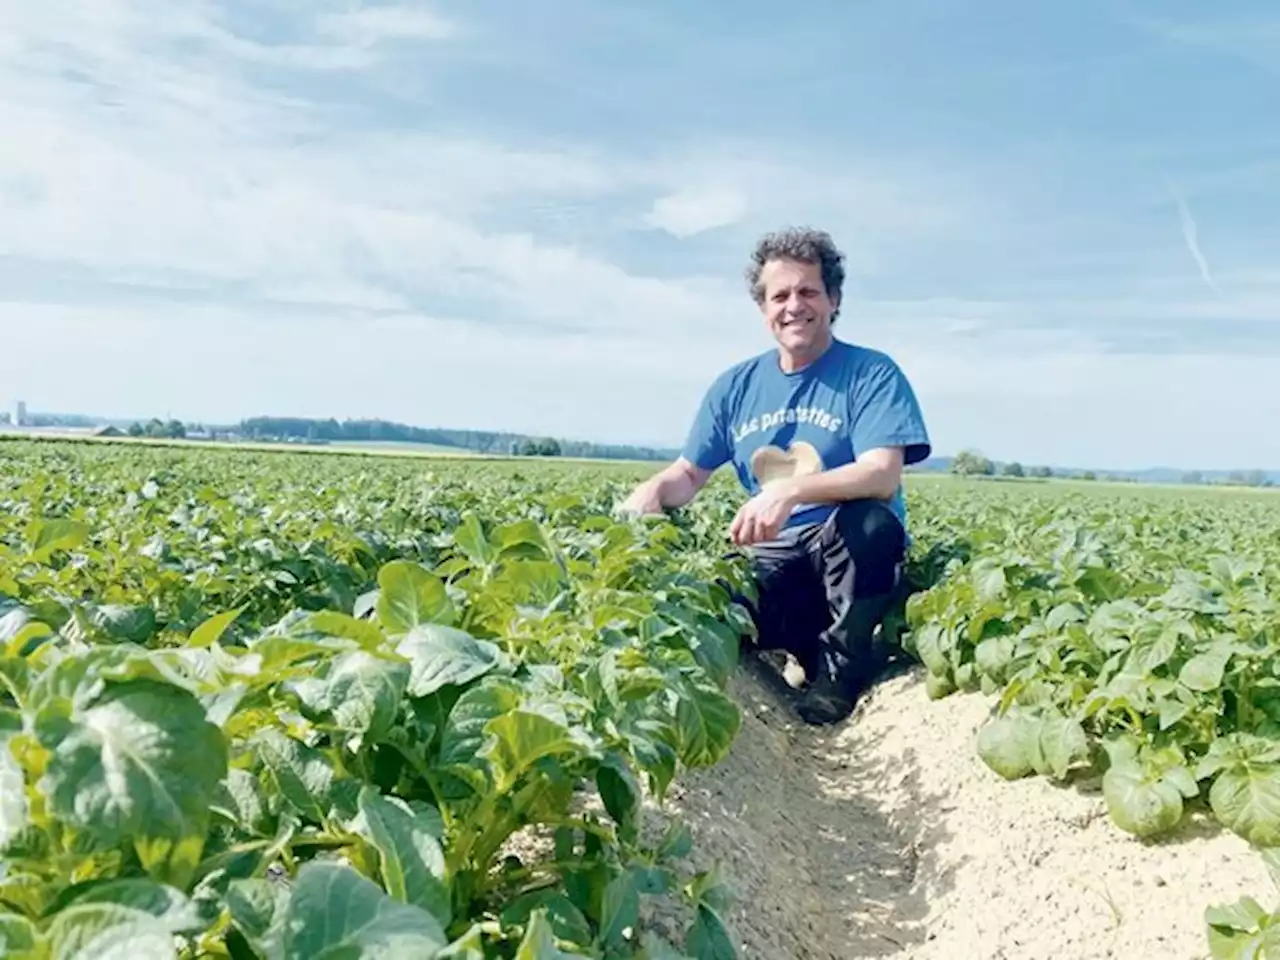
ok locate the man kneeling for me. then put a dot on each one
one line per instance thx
(818, 431)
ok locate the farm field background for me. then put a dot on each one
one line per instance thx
(272, 704)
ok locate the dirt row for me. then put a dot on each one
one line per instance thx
(886, 836)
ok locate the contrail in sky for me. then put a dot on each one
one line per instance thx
(1189, 234)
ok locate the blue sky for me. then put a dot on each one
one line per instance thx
(1059, 217)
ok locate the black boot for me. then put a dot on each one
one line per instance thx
(832, 692)
(846, 665)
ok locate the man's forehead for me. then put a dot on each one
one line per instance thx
(787, 273)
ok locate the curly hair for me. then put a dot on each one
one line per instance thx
(802, 244)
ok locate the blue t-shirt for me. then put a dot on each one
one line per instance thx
(849, 400)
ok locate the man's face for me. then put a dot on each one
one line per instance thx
(796, 307)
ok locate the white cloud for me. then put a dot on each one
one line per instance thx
(1052, 398)
(1252, 38)
(222, 364)
(297, 260)
(1097, 409)
(212, 180)
(1190, 233)
(696, 210)
(368, 25)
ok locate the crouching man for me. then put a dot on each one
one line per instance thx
(818, 431)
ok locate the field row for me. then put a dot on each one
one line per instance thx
(241, 692)
(266, 706)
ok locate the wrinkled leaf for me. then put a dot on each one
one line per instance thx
(410, 595)
(333, 912)
(142, 765)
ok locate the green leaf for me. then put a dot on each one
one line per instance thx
(524, 736)
(442, 655)
(469, 537)
(653, 947)
(1063, 614)
(523, 540)
(930, 645)
(1242, 931)
(333, 623)
(410, 595)
(13, 795)
(1010, 746)
(47, 537)
(620, 793)
(412, 862)
(707, 721)
(302, 775)
(360, 692)
(128, 624)
(469, 946)
(465, 732)
(1246, 799)
(336, 914)
(677, 841)
(20, 940)
(258, 908)
(1204, 671)
(1244, 914)
(620, 910)
(141, 765)
(1140, 801)
(1062, 744)
(567, 922)
(108, 931)
(210, 631)
(539, 942)
(167, 904)
(1271, 858)
(708, 939)
(993, 655)
(989, 580)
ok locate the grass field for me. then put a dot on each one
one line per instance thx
(243, 690)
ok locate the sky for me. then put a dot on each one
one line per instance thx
(1059, 218)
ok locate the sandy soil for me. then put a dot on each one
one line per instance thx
(886, 836)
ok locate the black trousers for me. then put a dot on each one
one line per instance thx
(823, 587)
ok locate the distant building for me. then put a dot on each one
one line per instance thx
(19, 418)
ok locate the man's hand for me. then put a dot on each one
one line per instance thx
(762, 517)
(643, 500)
(673, 486)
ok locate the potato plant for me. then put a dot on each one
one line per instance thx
(285, 706)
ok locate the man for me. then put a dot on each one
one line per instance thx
(818, 431)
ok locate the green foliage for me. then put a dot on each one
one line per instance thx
(1132, 638)
(275, 706)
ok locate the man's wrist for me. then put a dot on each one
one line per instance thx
(792, 492)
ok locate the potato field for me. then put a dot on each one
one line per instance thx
(310, 705)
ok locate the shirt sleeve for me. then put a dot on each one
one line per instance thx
(884, 412)
(707, 444)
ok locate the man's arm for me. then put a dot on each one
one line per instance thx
(875, 475)
(673, 486)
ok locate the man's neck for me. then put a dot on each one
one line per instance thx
(790, 362)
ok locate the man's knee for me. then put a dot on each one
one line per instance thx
(874, 538)
(869, 527)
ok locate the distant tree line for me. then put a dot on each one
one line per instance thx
(480, 441)
(1236, 478)
(173, 429)
(971, 463)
